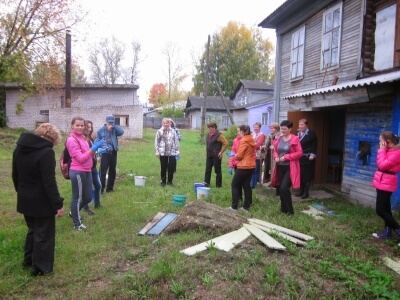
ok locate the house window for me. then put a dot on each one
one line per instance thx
(385, 37)
(332, 21)
(225, 121)
(208, 119)
(297, 60)
(264, 119)
(122, 121)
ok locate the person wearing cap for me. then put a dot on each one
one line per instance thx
(109, 133)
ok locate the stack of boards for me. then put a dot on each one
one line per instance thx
(258, 228)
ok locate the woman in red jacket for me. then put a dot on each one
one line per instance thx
(245, 167)
(287, 153)
(385, 181)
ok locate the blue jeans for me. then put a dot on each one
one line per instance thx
(256, 174)
(97, 187)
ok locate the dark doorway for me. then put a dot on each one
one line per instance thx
(329, 126)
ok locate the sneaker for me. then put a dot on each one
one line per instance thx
(162, 184)
(98, 206)
(206, 184)
(70, 215)
(110, 190)
(170, 183)
(90, 212)
(387, 233)
(80, 227)
(231, 208)
(244, 210)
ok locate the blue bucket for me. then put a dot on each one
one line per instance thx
(198, 184)
(178, 200)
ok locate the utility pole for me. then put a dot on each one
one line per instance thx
(203, 113)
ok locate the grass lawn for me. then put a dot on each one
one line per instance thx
(111, 261)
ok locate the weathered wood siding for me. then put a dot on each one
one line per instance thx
(364, 122)
(350, 51)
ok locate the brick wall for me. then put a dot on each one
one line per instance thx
(92, 103)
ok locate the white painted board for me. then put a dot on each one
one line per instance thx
(264, 237)
(285, 230)
(238, 236)
(281, 234)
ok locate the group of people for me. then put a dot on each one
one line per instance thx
(289, 162)
(38, 198)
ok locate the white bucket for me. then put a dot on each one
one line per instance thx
(202, 193)
(140, 180)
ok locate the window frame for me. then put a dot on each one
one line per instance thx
(301, 32)
(328, 35)
(118, 119)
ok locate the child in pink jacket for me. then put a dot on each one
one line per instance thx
(385, 181)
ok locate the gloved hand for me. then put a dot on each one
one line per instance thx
(102, 150)
(230, 154)
(177, 157)
(96, 145)
(230, 171)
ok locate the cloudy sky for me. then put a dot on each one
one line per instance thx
(154, 23)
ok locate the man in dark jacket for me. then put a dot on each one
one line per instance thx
(38, 199)
(308, 141)
(216, 145)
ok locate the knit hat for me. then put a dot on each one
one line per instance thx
(110, 119)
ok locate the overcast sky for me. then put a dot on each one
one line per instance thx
(153, 23)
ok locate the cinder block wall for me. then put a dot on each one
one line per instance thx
(89, 103)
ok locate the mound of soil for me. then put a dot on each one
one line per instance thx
(201, 214)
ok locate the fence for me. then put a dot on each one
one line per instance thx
(152, 122)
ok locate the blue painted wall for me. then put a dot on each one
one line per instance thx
(395, 200)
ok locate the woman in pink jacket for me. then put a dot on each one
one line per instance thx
(287, 153)
(385, 181)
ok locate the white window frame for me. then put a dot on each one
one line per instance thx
(330, 33)
(225, 121)
(297, 50)
(122, 120)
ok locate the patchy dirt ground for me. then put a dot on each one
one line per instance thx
(204, 215)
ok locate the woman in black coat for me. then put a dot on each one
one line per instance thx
(309, 143)
(38, 199)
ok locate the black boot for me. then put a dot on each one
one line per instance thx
(305, 193)
(277, 190)
(300, 192)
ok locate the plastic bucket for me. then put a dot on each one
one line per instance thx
(178, 200)
(196, 185)
(202, 193)
(140, 180)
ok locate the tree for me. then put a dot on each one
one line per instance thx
(175, 72)
(105, 60)
(158, 95)
(32, 32)
(131, 74)
(235, 53)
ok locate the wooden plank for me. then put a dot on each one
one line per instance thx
(238, 236)
(264, 237)
(281, 234)
(162, 224)
(153, 221)
(203, 246)
(285, 230)
(394, 265)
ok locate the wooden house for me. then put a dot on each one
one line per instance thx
(216, 111)
(253, 101)
(338, 65)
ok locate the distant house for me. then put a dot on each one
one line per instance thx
(215, 111)
(337, 64)
(157, 112)
(253, 101)
(89, 101)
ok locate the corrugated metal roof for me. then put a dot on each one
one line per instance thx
(393, 76)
